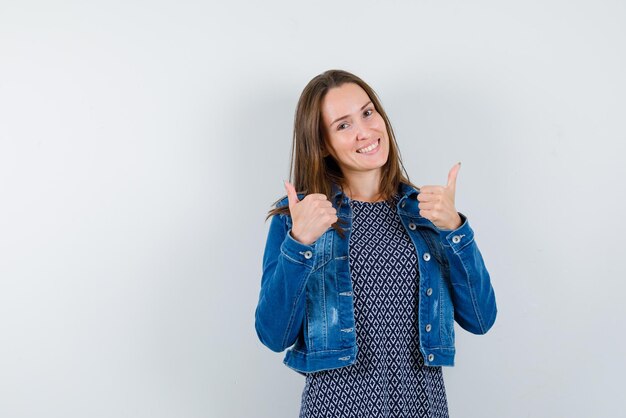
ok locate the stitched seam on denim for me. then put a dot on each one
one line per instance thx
(447, 282)
(334, 275)
(324, 311)
(461, 248)
(441, 322)
(320, 351)
(339, 366)
(437, 256)
(308, 322)
(473, 296)
(293, 308)
(315, 268)
(294, 260)
(431, 244)
(441, 347)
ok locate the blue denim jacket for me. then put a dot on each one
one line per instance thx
(306, 304)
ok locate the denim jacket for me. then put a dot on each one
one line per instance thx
(306, 303)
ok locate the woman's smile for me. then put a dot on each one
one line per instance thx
(370, 149)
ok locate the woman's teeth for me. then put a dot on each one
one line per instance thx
(370, 148)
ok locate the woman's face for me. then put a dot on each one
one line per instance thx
(356, 134)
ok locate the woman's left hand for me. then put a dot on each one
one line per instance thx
(437, 202)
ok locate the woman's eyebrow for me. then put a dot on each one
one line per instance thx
(343, 117)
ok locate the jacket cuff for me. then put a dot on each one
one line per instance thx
(297, 251)
(459, 237)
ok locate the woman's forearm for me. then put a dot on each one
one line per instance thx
(287, 265)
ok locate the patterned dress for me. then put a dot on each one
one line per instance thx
(389, 378)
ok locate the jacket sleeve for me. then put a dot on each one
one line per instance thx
(287, 265)
(472, 295)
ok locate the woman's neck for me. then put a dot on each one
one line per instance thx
(363, 186)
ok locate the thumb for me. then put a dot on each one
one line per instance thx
(291, 194)
(454, 171)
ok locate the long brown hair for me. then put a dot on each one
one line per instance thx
(312, 172)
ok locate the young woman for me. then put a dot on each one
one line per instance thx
(364, 273)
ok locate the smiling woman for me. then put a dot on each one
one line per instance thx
(364, 273)
(358, 140)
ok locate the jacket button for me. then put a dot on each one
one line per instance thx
(428, 327)
(429, 291)
(308, 254)
(412, 226)
(426, 256)
(456, 239)
(431, 357)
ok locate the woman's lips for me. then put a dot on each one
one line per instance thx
(376, 146)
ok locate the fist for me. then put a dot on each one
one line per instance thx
(311, 216)
(437, 202)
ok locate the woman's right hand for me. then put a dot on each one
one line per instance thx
(311, 216)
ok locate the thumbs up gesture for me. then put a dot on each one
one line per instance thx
(311, 216)
(437, 202)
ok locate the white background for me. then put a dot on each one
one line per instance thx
(143, 142)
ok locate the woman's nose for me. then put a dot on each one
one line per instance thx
(362, 132)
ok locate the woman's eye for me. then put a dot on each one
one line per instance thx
(368, 112)
(342, 126)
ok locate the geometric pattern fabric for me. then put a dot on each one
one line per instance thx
(389, 378)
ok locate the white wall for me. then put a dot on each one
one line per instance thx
(142, 143)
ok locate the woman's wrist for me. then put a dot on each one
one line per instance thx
(456, 225)
(296, 238)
